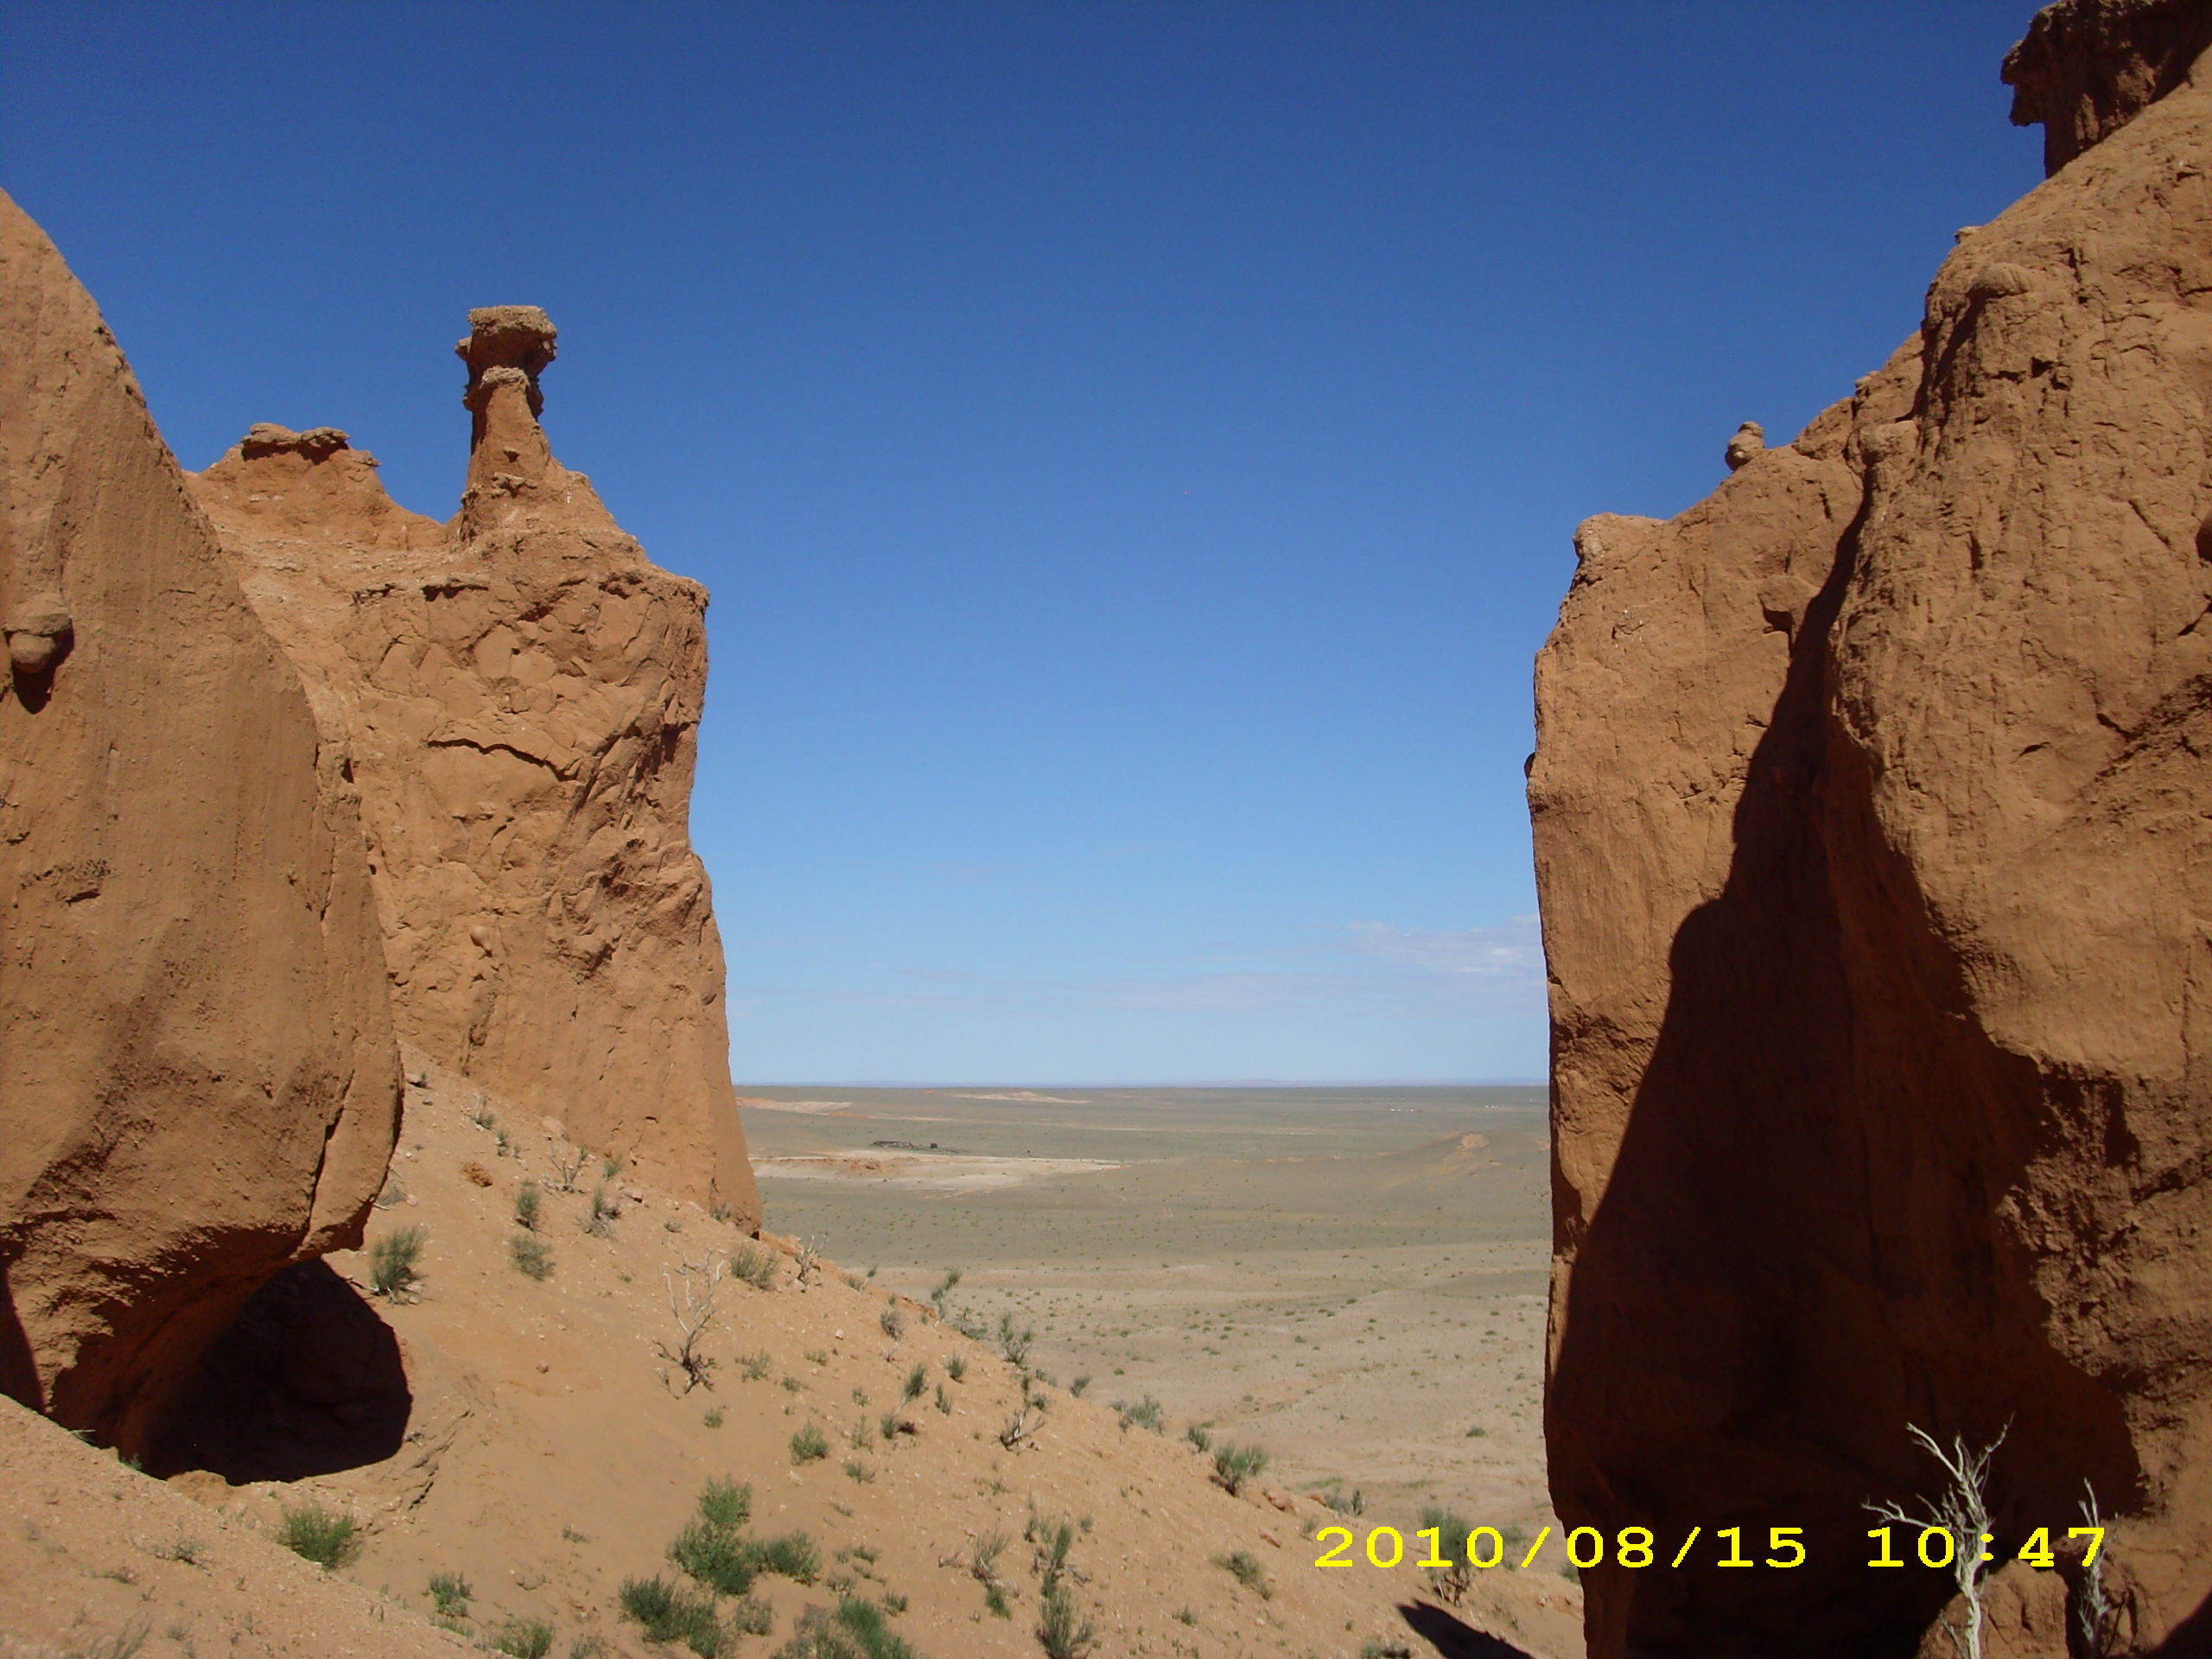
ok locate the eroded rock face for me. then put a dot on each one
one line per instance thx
(2088, 68)
(520, 690)
(1874, 839)
(201, 1081)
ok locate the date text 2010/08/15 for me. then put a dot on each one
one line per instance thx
(1638, 1547)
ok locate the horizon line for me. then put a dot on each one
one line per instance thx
(1209, 1082)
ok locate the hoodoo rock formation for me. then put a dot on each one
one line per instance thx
(520, 692)
(200, 1084)
(1874, 839)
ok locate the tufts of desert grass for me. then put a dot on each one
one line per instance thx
(810, 1444)
(450, 1595)
(523, 1638)
(1236, 1467)
(1077, 1387)
(1244, 1567)
(529, 1202)
(1147, 1412)
(955, 1368)
(1199, 1436)
(755, 1266)
(755, 1366)
(893, 1322)
(1062, 1631)
(393, 1259)
(1453, 1581)
(321, 1535)
(917, 1380)
(532, 1257)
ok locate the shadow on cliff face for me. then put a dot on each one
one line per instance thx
(1449, 1638)
(307, 1381)
(1803, 1243)
(18, 1371)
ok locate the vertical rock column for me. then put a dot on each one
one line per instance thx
(521, 689)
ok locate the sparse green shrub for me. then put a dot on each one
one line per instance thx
(893, 1322)
(668, 1613)
(752, 1617)
(944, 1288)
(725, 1503)
(1077, 1387)
(1244, 1567)
(858, 1470)
(917, 1380)
(719, 1558)
(1198, 1435)
(857, 1630)
(1453, 1581)
(450, 1594)
(996, 1601)
(529, 1202)
(612, 1165)
(605, 1210)
(1054, 1539)
(943, 1401)
(714, 1417)
(1147, 1413)
(955, 1368)
(524, 1638)
(184, 1551)
(1234, 1467)
(532, 1257)
(1014, 1343)
(392, 1259)
(1185, 1616)
(794, 1557)
(327, 1539)
(755, 1365)
(1372, 1650)
(567, 1166)
(1062, 1631)
(810, 1444)
(753, 1265)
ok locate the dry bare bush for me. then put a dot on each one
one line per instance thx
(694, 1311)
(1961, 1509)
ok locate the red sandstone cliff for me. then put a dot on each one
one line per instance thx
(1874, 840)
(520, 691)
(201, 1081)
(1874, 843)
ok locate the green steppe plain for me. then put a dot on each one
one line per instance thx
(1353, 1278)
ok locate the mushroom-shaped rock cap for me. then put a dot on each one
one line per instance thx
(2088, 68)
(508, 337)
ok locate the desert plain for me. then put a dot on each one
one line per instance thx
(1352, 1277)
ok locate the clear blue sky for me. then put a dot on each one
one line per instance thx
(1133, 447)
